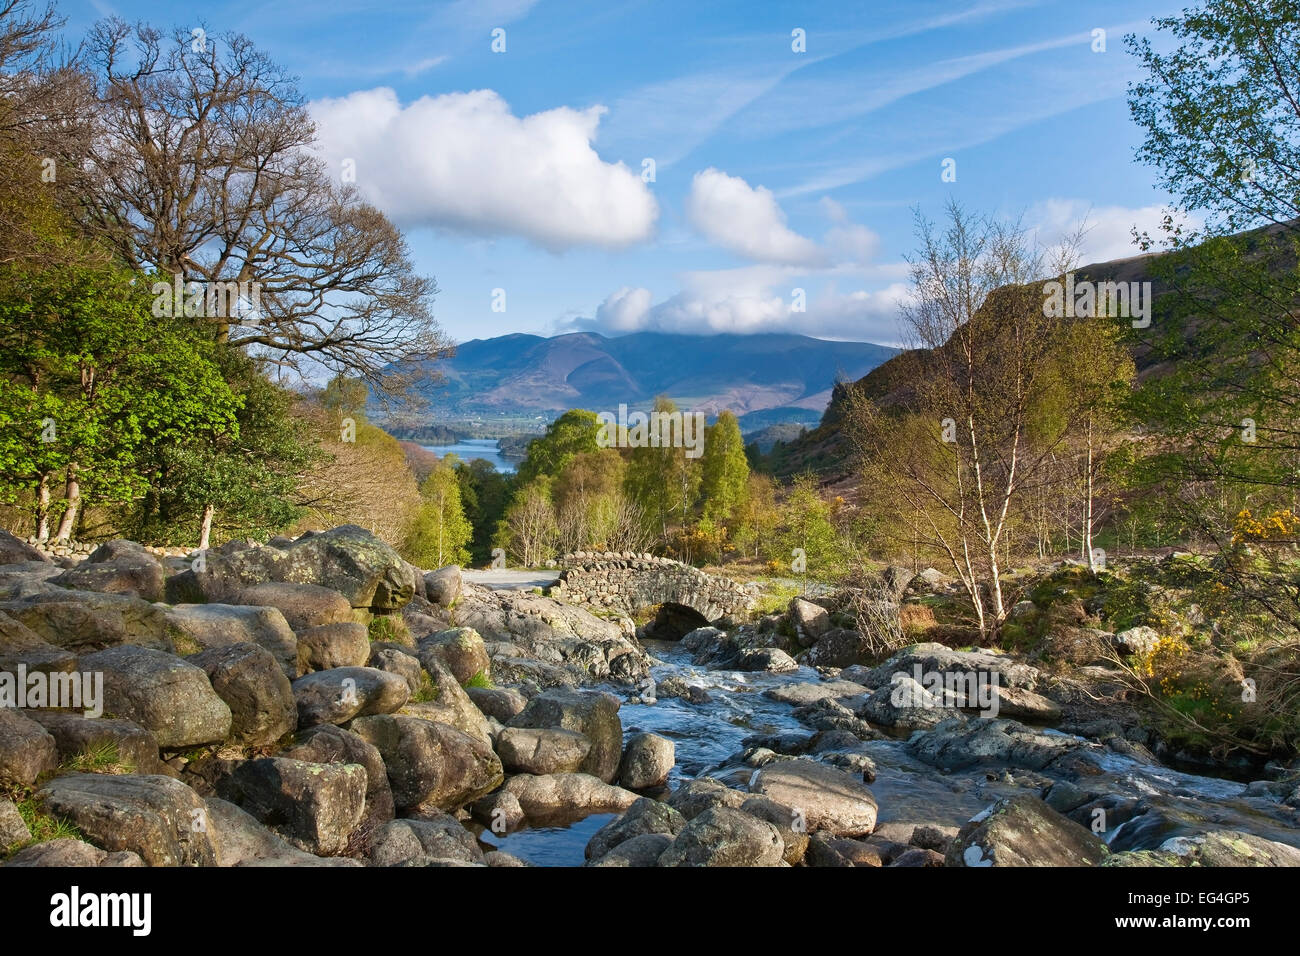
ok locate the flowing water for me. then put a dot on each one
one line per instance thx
(708, 737)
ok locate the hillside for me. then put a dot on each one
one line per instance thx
(824, 450)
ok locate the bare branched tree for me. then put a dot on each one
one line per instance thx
(205, 167)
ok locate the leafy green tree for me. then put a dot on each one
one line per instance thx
(724, 468)
(571, 434)
(440, 532)
(240, 481)
(87, 368)
(808, 535)
(1218, 105)
(662, 479)
(484, 494)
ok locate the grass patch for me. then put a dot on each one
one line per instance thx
(427, 692)
(480, 679)
(388, 628)
(98, 758)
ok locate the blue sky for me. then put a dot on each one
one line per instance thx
(774, 170)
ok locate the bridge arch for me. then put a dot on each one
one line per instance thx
(628, 582)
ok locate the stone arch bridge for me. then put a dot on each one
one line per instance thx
(627, 582)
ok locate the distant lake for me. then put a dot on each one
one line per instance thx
(489, 449)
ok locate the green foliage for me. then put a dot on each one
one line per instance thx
(91, 380)
(724, 467)
(479, 679)
(440, 532)
(571, 434)
(806, 527)
(248, 475)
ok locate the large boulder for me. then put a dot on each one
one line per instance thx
(959, 743)
(130, 745)
(799, 695)
(253, 685)
(14, 550)
(240, 840)
(20, 646)
(810, 620)
(159, 818)
(647, 761)
(541, 750)
(348, 559)
(644, 816)
(336, 696)
(87, 620)
(27, 750)
(303, 605)
(552, 636)
(703, 793)
(590, 713)
(313, 806)
(825, 797)
(399, 661)
(932, 658)
(119, 567)
(448, 703)
(345, 644)
(839, 647)
(165, 695)
(564, 797)
(329, 744)
(432, 837)
(725, 837)
(499, 703)
(65, 852)
(199, 627)
(442, 587)
(1024, 831)
(461, 650)
(431, 765)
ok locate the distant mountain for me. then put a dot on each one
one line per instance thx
(789, 377)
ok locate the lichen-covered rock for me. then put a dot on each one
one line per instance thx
(338, 695)
(133, 748)
(303, 605)
(199, 627)
(647, 761)
(253, 685)
(314, 806)
(461, 650)
(826, 798)
(725, 837)
(334, 645)
(157, 817)
(85, 620)
(541, 750)
(1024, 831)
(590, 713)
(565, 797)
(326, 743)
(27, 750)
(169, 697)
(431, 765)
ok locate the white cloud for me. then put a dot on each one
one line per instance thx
(756, 299)
(746, 220)
(624, 310)
(1109, 232)
(463, 161)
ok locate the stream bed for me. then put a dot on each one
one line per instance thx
(709, 737)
